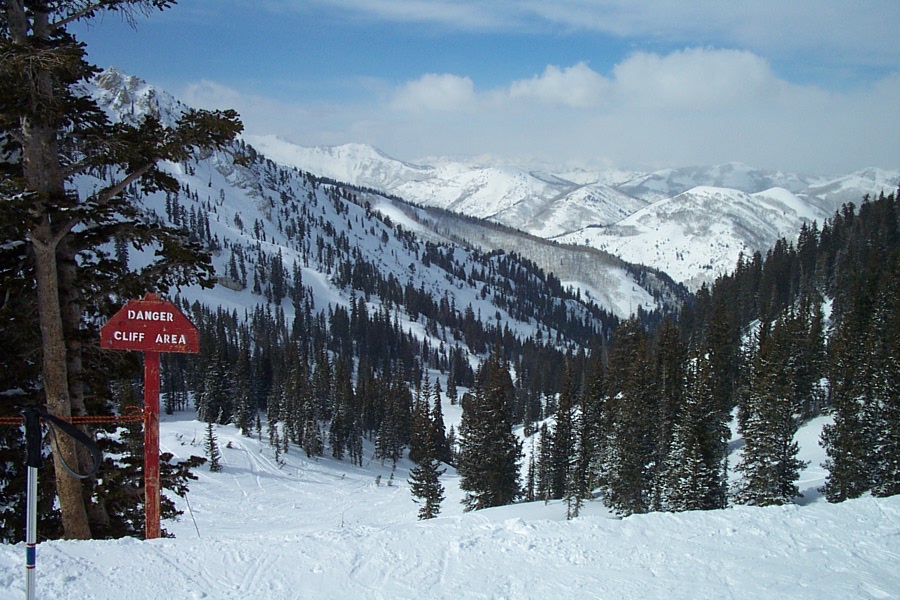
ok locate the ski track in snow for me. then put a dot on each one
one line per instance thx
(322, 528)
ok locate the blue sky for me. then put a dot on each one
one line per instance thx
(801, 85)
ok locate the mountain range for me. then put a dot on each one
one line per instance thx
(684, 226)
(691, 223)
(265, 208)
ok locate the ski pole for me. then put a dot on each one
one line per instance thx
(34, 461)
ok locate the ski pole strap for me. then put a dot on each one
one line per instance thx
(80, 437)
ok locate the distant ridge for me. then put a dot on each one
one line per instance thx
(658, 219)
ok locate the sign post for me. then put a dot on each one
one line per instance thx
(152, 326)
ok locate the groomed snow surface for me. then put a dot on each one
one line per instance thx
(325, 529)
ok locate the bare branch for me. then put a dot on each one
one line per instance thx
(111, 192)
(127, 8)
(86, 11)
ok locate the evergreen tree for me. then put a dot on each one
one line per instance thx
(489, 451)
(881, 413)
(344, 433)
(52, 133)
(424, 478)
(424, 482)
(563, 443)
(528, 491)
(393, 433)
(422, 429)
(244, 406)
(669, 365)
(542, 483)
(441, 442)
(695, 478)
(844, 439)
(214, 403)
(809, 349)
(579, 482)
(626, 471)
(766, 419)
(596, 424)
(211, 446)
(451, 382)
(862, 442)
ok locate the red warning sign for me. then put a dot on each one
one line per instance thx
(150, 325)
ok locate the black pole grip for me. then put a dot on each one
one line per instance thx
(33, 456)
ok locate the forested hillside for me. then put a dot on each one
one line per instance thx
(331, 315)
(809, 329)
(315, 283)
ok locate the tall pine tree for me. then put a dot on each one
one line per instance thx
(489, 451)
(768, 423)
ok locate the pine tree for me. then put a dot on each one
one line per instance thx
(766, 419)
(215, 401)
(440, 439)
(424, 478)
(489, 451)
(211, 446)
(244, 408)
(862, 442)
(669, 365)
(695, 477)
(629, 447)
(563, 444)
(344, 434)
(528, 490)
(394, 432)
(451, 382)
(422, 429)
(882, 412)
(597, 423)
(844, 439)
(424, 482)
(542, 483)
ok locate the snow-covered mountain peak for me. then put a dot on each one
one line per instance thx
(699, 233)
(359, 164)
(128, 98)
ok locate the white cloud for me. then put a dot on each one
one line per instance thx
(689, 80)
(262, 115)
(577, 86)
(441, 92)
(695, 106)
(694, 79)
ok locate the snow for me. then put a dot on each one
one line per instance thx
(353, 163)
(325, 529)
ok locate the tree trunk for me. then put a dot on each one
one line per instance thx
(56, 382)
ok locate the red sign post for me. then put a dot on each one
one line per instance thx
(151, 325)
